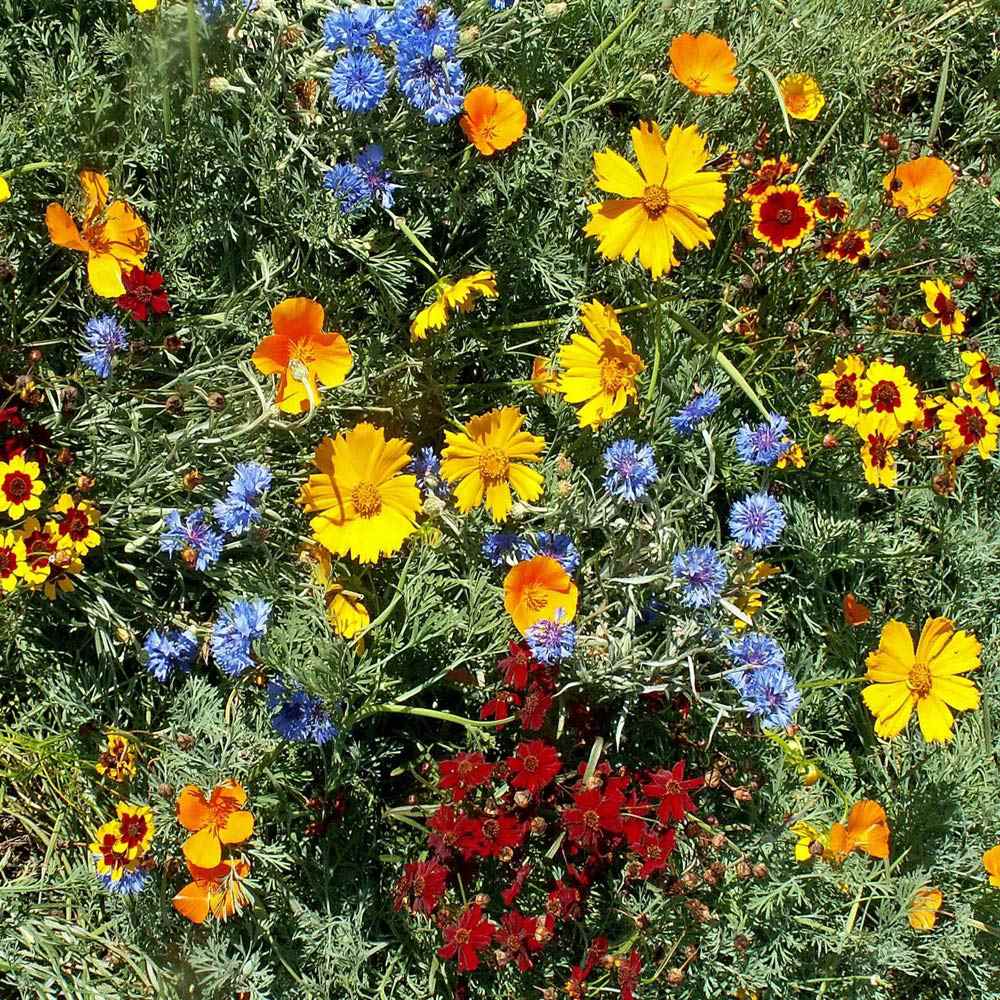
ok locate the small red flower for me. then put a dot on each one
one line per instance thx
(654, 850)
(563, 902)
(500, 833)
(466, 938)
(143, 294)
(516, 938)
(421, 887)
(831, 207)
(629, 970)
(470, 838)
(462, 773)
(672, 789)
(514, 890)
(518, 666)
(498, 707)
(593, 810)
(533, 765)
(446, 827)
(536, 706)
(783, 217)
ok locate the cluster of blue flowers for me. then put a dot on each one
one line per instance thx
(702, 576)
(702, 406)
(356, 185)
(630, 469)
(764, 443)
(760, 677)
(168, 651)
(106, 337)
(300, 717)
(505, 547)
(239, 509)
(193, 536)
(129, 883)
(234, 633)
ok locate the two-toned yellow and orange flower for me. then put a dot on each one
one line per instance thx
(969, 424)
(919, 188)
(840, 399)
(539, 589)
(801, 96)
(942, 310)
(782, 217)
(888, 398)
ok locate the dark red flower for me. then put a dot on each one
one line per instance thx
(462, 773)
(511, 893)
(533, 765)
(498, 707)
(654, 850)
(593, 810)
(563, 901)
(518, 666)
(536, 706)
(421, 887)
(629, 970)
(597, 950)
(516, 938)
(466, 938)
(470, 837)
(143, 294)
(500, 833)
(672, 790)
(634, 825)
(446, 826)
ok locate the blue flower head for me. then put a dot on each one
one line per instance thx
(556, 546)
(348, 186)
(756, 521)
(765, 443)
(498, 5)
(430, 78)
(355, 27)
(300, 717)
(753, 653)
(131, 881)
(168, 651)
(771, 695)
(238, 509)
(194, 538)
(702, 575)
(423, 21)
(106, 338)
(234, 633)
(376, 177)
(631, 469)
(698, 409)
(551, 641)
(211, 9)
(426, 466)
(358, 81)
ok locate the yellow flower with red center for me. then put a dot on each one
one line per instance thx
(982, 377)
(600, 368)
(968, 424)
(840, 401)
(113, 237)
(942, 309)
(489, 457)
(12, 560)
(703, 63)
(767, 175)
(539, 589)
(40, 546)
(991, 862)
(854, 246)
(877, 455)
(867, 830)
(831, 207)
(668, 198)
(110, 853)
(926, 679)
(449, 296)
(543, 379)
(135, 828)
(924, 908)
(782, 217)
(20, 487)
(802, 97)
(117, 760)
(890, 397)
(364, 505)
(64, 565)
(76, 525)
(919, 187)
(217, 891)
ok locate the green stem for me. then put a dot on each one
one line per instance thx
(829, 682)
(400, 224)
(193, 47)
(428, 713)
(29, 168)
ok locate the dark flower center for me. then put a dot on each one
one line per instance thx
(885, 396)
(972, 424)
(845, 392)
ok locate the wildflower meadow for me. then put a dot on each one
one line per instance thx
(499, 500)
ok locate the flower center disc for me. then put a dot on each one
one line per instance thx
(784, 216)
(655, 200)
(613, 375)
(919, 681)
(366, 500)
(535, 598)
(494, 466)
(885, 397)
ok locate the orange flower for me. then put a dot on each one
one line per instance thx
(214, 821)
(852, 245)
(923, 909)
(113, 235)
(536, 590)
(217, 891)
(867, 830)
(703, 63)
(493, 119)
(782, 217)
(855, 613)
(991, 862)
(543, 379)
(801, 96)
(920, 186)
(769, 173)
(302, 353)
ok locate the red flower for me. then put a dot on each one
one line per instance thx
(421, 887)
(499, 834)
(516, 938)
(143, 292)
(446, 825)
(672, 791)
(467, 938)
(536, 706)
(511, 893)
(563, 902)
(470, 838)
(783, 217)
(592, 811)
(498, 707)
(634, 825)
(518, 666)
(533, 765)
(654, 850)
(597, 950)
(629, 970)
(462, 773)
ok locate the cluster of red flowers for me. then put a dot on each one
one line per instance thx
(19, 435)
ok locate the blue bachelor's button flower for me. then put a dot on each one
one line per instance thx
(698, 409)
(358, 81)
(764, 443)
(631, 469)
(756, 521)
(106, 338)
(194, 537)
(300, 716)
(234, 633)
(702, 575)
(168, 651)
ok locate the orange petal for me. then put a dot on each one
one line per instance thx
(203, 848)
(237, 828)
(62, 228)
(95, 190)
(297, 317)
(231, 790)
(481, 104)
(193, 811)
(855, 613)
(192, 902)
(271, 355)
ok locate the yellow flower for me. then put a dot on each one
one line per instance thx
(135, 828)
(487, 458)
(20, 487)
(669, 200)
(840, 401)
(923, 908)
(926, 679)
(12, 560)
(890, 396)
(76, 526)
(118, 758)
(40, 546)
(64, 565)
(991, 862)
(365, 507)
(4, 190)
(807, 835)
(448, 297)
(877, 456)
(941, 309)
(919, 187)
(345, 611)
(749, 600)
(968, 424)
(982, 377)
(794, 457)
(600, 368)
(801, 96)
(145, 5)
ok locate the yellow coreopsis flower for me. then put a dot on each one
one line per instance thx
(4, 190)
(12, 560)
(488, 458)
(876, 454)
(749, 599)
(136, 828)
(941, 309)
(888, 397)
(77, 524)
(806, 836)
(668, 198)
(801, 96)
(600, 368)
(968, 424)
(982, 377)
(449, 296)
(20, 487)
(117, 761)
(926, 680)
(840, 401)
(144, 6)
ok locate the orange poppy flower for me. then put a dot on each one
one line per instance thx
(782, 217)
(703, 63)
(536, 590)
(867, 830)
(855, 613)
(217, 891)
(493, 119)
(214, 821)
(113, 236)
(991, 862)
(920, 186)
(301, 353)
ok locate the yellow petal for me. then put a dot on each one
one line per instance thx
(105, 275)
(958, 692)
(651, 152)
(935, 718)
(616, 175)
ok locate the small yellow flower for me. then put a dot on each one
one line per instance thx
(840, 401)
(941, 309)
(793, 458)
(12, 560)
(76, 526)
(923, 908)
(345, 611)
(117, 761)
(20, 487)
(748, 598)
(806, 836)
(889, 396)
(448, 297)
(968, 424)
(143, 6)
(65, 564)
(876, 454)
(136, 828)
(801, 96)
(40, 545)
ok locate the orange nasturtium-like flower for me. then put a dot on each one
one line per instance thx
(782, 217)
(213, 821)
(941, 308)
(801, 96)
(855, 613)
(449, 296)
(217, 890)
(493, 119)
(991, 862)
(703, 63)
(867, 830)
(302, 354)
(488, 458)
(927, 679)
(113, 236)
(539, 589)
(600, 368)
(920, 186)
(669, 198)
(364, 506)
(923, 908)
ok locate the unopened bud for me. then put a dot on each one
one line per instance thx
(218, 84)
(216, 401)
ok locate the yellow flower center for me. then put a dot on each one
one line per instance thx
(535, 597)
(494, 466)
(919, 681)
(366, 499)
(614, 375)
(655, 200)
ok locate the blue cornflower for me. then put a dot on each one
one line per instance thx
(430, 78)
(426, 466)
(631, 469)
(355, 27)
(300, 716)
(168, 651)
(377, 179)
(703, 576)
(421, 20)
(551, 641)
(498, 5)
(651, 614)
(500, 547)
(772, 695)
(130, 882)
(556, 546)
(765, 443)
(756, 521)
(210, 9)
(106, 337)
(348, 186)
(194, 538)
(358, 81)
(234, 632)
(238, 509)
(753, 653)
(701, 406)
